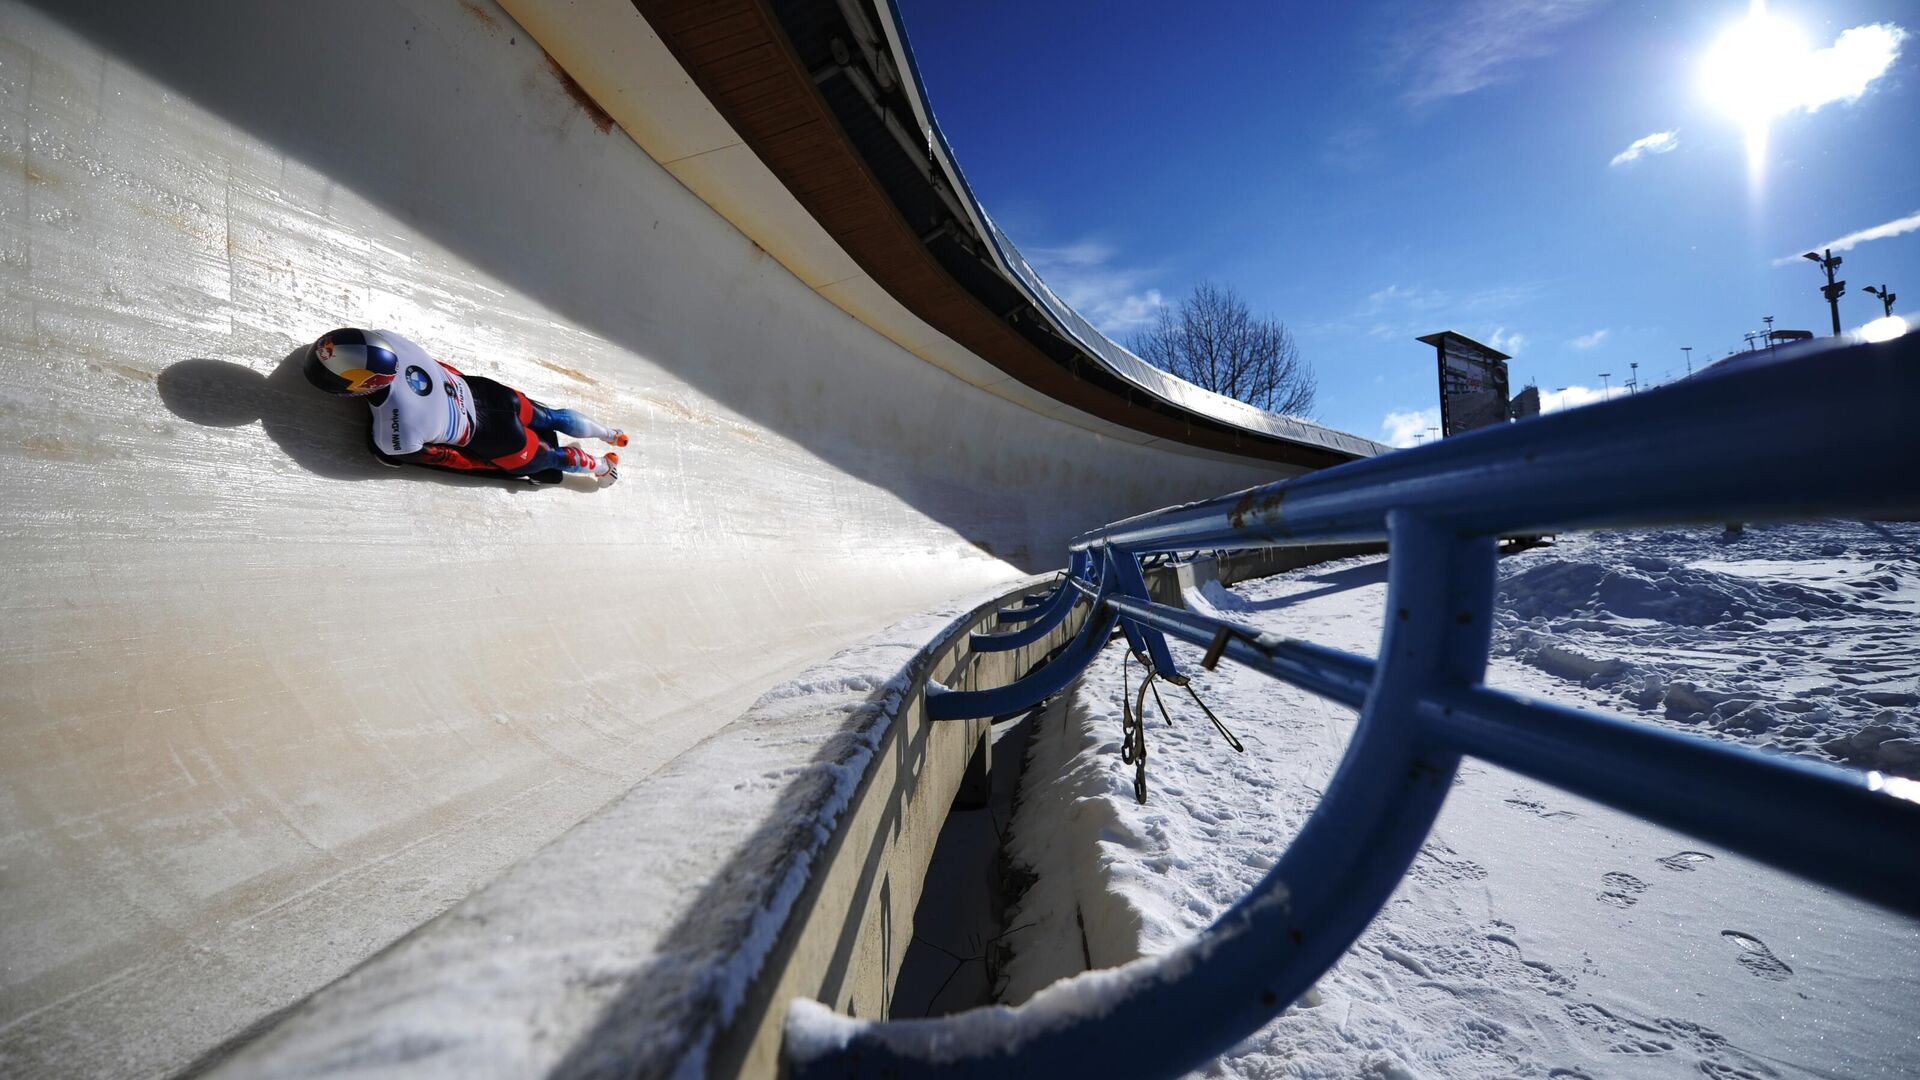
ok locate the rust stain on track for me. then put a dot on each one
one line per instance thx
(600, 117)
(562, 369)
(480, 14)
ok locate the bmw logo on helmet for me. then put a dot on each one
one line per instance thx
(417, 379)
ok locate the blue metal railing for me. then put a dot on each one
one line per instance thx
(1817, 435)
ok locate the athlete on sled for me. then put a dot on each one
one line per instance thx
(427, 413)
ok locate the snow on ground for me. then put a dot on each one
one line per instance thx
(1537, 935)
(1799, 638)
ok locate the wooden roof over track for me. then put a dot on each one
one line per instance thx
(738, 54)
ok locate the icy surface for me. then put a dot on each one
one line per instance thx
(1537, 935)
(627, 944)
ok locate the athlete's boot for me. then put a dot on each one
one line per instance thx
(618, 438)
(577, 460)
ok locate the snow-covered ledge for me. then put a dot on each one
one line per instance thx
(665, 934)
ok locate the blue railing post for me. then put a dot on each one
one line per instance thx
(1145, 641)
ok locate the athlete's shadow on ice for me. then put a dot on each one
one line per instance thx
(325, 435)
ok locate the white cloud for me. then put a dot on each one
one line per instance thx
(1762, 68)
(1568, 397)
(1588, 341)
(1509, 343)
(1113, 298)
(1500, 296)
(1084, 253)
(1896, 227)
(1659, 142)
(1843, 71)
(1475, 44)
(1409, 311)
(1410, 298)
(1408, 428)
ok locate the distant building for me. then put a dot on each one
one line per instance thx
(1473, 382)
(1526, 403)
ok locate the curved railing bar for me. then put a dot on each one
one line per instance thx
(1694, 454)
(1046, 615)
(1043, 623)
(1042, 604)
(1011, 616)
(944, 703)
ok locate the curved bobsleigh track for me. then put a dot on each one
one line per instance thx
(266, 705)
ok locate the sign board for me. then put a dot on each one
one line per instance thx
(1473, 383)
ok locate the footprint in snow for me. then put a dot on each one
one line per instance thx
(1622, 890)
(1720, 1070)
(1757, 958)
(1539, 808)
(1685, 860)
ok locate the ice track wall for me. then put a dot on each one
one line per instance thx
(266, 705)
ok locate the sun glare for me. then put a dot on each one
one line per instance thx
(1752, 71)
(1764, 67)
(1750, 74)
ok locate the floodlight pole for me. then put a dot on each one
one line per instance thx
(1635, 383)
(1834, 289)
(1886, 298)
(1688, 349)
(1606, 391)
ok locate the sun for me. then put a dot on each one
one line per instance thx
(1752, 74)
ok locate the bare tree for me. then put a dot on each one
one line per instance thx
(1210, 340)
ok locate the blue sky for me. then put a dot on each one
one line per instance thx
(1369, 173)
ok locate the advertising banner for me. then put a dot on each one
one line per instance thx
(1473, 383)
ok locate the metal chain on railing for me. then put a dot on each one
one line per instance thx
(1133, 719)
(1133, 727)
(1139, 721)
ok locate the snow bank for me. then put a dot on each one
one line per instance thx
(1797, 638)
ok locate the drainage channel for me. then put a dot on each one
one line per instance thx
(958, 945)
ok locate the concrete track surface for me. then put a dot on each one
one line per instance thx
(266, 705)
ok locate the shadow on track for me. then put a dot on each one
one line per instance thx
(1353, 577)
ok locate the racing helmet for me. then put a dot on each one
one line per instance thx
(351, 362)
